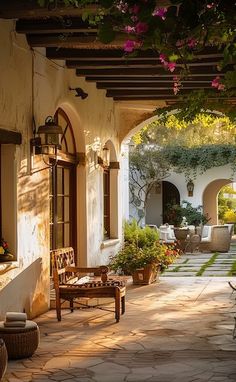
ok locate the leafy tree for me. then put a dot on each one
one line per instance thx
(147, 168)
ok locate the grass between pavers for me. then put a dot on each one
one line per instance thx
(207, 264)
(176, 269)
(232, 271)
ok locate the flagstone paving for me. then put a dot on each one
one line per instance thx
(190, 264)
(177, 330)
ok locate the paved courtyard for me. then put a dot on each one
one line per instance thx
(177, 330)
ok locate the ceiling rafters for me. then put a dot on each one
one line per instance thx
(141, 76)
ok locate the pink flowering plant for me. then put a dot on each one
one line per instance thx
(178, 30)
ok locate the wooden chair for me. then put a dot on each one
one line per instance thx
(70, 283)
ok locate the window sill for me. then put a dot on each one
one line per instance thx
(109, 243)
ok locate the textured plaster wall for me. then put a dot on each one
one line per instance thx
(31, 85)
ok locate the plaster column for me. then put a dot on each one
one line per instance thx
(114, 203)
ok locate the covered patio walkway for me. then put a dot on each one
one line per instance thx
(177, 330)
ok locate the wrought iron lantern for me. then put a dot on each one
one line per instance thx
(190, 187)
(48, 140)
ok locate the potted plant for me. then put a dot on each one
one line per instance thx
(5, 254)
(142, 255)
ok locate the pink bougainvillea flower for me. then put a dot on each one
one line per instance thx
(215, 82)
(129, 29)
(122, 6)
(129, 46)
(210, 5)
(177, 85)
(135, 9)
(179, 43)
(171, 66)
(221, 87)
(134, 18)
(162, 58)
(160, 12)
(141, 27)
(192, 42)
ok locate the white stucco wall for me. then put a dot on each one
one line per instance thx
(202, 181)
(33, 86)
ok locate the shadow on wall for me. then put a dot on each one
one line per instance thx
(20, 294)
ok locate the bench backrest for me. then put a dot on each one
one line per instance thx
(61, 259)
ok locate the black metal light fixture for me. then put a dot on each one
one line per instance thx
(79, 92)
(48, 140)
(190, 187)
(106, 156)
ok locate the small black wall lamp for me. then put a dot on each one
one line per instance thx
(79, 92)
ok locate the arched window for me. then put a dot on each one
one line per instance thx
(62, 189)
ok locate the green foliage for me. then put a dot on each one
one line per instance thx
(174, 214)
(226, 206)
(194, 215)
(190, 160)
(141, 247)
(106, 33)
(141, 237)
(202, 101)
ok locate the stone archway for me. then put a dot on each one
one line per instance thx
(209, 198)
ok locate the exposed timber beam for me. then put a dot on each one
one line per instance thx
(59, 25)
(134, 64)
(116, 54)
(127, 71)
(8, 136)
(155, 79)
(152, 85)
(167, 99)
(15, 9)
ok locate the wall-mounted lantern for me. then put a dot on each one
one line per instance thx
(48, 140)
(190, 187)
(106, 156)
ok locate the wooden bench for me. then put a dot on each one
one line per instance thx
(69, 284)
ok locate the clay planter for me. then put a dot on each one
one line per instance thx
(181, 233)
(147, 275)
(3, 358)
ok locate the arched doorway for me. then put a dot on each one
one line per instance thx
(160, 196)
(210, 200)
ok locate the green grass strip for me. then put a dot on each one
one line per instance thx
(207, 264)
(232, 271)
(176, 269)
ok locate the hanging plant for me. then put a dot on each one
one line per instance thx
(178, 30)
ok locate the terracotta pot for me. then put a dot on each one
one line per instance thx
(181, 233)
(147, 275)
(3, 358)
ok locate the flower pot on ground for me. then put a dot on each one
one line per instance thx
(146, 275)
(142, 255)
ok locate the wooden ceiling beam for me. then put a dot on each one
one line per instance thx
(59, 25)
(106, 64)
(151, 85)
(164, 93)
(143, 72)
(114, 55)
(155, 79)
(15, 9)
(168, 99)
